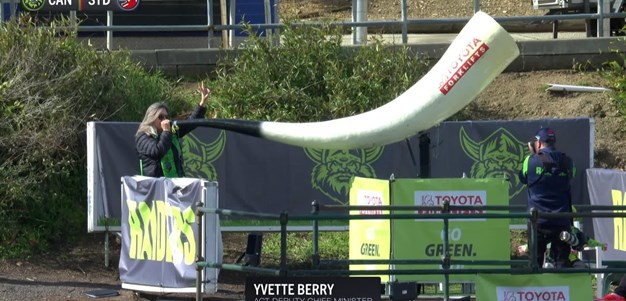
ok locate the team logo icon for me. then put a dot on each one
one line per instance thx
(427, 200)
(32, 5)
(509, 296)
(128, 5)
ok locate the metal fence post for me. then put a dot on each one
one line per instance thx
(360, 15)
(606, 22)
(446, 257)
(268, 19)
(284, 218)
(532, 239)
(405, 38)
(200, 248)
(232, 18)
(209, 13)
(600, 20)
(109, 31)
(315, 209)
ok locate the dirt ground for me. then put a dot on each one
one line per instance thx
(514, 96)
(67, 274)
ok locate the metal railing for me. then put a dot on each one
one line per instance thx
(358, 24)
(320, 212)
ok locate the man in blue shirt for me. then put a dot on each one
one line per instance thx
(547, 174)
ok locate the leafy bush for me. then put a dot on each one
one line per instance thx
(310, 77)
(613, 71)
(50, 86)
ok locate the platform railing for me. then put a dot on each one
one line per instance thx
(319, 214)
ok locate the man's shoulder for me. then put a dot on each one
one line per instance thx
(553, 153)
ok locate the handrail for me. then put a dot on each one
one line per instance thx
(516, 271)
(413, 216)
(421, 261)
(446, 262)
(516, 214)
(240, 268)
(343, 24)
(229, 212)
(405, 207)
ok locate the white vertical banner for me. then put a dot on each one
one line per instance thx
(160, 237)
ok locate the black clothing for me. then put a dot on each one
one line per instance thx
(547, 175)
(558, 248)
(151, 149)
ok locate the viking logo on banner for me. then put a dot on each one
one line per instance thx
(160, 237)
(497, 155)
(200, 156)
(608, 188)
(485, 149)
(334, 169)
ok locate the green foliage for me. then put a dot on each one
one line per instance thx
(310, 77)
(50, 86)
(614, 72)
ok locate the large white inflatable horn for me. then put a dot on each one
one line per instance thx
(481, 51)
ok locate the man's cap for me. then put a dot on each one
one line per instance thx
(546, 135)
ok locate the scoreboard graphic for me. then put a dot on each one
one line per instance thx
(80, 5)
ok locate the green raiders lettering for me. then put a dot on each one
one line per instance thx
(150, 238)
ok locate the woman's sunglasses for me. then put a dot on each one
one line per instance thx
(163, 117)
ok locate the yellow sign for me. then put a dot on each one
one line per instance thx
(369, 238)
(619, 223)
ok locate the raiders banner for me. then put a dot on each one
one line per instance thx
(254, 174)
(265, 176)
(160, 236)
